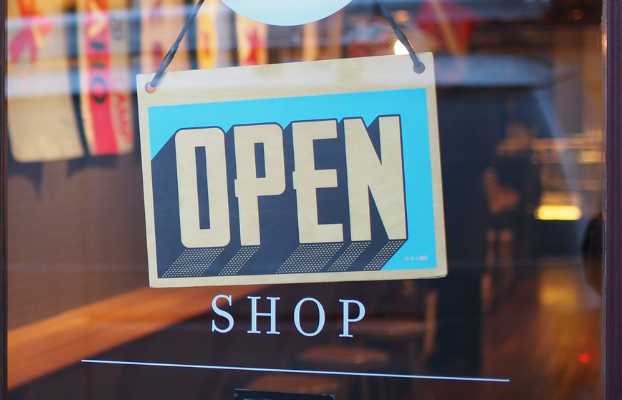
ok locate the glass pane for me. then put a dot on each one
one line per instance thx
(520, 115)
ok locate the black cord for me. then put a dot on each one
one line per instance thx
(151, 86)
(418, 66)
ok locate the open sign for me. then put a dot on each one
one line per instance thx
(326, 185)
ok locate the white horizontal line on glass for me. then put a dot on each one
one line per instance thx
(297, 371)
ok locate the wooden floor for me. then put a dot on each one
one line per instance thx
(543, 334)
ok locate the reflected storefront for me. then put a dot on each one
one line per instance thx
(520, 102)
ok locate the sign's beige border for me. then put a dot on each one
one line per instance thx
(289, 80)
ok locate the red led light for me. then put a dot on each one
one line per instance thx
(585, 358)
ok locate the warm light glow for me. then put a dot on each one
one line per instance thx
(558, 213)
(590, 157)
(399, 49)
(585, 358)
(559, 290)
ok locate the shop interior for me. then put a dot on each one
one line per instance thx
(520, 107)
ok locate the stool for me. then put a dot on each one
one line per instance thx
(383, 330)
(390, 328)
(393, 330)
(347, 359)
(417, 334)
(294, 383)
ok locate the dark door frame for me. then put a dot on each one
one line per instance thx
(612, 317)
(3, 205)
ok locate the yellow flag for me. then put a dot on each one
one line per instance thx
(41, 118)
(252, 41)
(207, 34)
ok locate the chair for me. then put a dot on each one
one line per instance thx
(295, 383)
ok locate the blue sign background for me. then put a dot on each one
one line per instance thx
(419, 251)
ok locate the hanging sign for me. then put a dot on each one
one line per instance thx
(41, 118)
(301, 172)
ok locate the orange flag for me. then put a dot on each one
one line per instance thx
(160, 24)
(311, 41)
(104, 62)
(448, 24)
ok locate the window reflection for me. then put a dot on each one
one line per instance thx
(520, 109)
